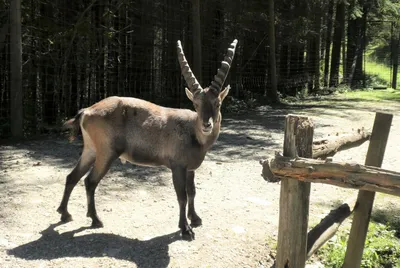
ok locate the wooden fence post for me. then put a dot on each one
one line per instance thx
(294, 197)
(365, 199)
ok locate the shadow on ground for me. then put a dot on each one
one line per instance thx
(56, 151)
(53, 245)
(389, 216)
(243, 135)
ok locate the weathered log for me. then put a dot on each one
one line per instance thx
(336, 173)
(326, 147)
(329, 146)
(294, 197)
(328, 226)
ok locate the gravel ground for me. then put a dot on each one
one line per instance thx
(138, 205)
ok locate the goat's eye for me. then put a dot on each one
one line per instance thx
(218, 105)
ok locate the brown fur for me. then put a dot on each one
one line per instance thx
(147, 134)
(73, 125)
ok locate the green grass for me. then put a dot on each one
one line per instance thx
(379, 74)
(374, 95)
(382, 248)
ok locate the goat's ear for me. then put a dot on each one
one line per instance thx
(224, 93)
(189, 94)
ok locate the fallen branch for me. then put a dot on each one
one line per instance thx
(328, 226)
(340, 174)
(325, 147)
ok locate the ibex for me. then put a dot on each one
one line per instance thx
(146, 134)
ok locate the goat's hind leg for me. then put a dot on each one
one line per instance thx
(85, 162)
(101, 167)
(195, 220)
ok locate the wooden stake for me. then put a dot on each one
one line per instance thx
(294, 197)
(365, 199)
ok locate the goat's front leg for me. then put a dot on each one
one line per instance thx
(195, 220)
(179, 180)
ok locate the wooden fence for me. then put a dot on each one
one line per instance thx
(296, 169)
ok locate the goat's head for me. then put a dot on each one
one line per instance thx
(207, 102)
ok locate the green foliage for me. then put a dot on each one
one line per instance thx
(375, 95)
(382, 248)
(356, 11)
(379, 34)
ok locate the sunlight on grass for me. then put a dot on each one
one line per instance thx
(379, 74)
(377, 95)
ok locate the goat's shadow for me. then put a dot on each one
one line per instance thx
(53, 245)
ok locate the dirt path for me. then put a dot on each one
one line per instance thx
(139, 208)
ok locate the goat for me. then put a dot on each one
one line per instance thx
(147, 134)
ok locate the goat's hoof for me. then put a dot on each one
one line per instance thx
(96, 223)
(196, 221)
(188, 234)
(66, 218)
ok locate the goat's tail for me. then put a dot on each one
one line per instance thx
(73, 125)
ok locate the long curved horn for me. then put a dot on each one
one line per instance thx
(222, 73)
(187, 73)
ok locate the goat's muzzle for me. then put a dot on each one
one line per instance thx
(207, 126)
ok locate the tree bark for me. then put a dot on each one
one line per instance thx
(3, 35)
(283, 68)
(395, 57)
(330, 146)
(273, 93)
(328, 41)
(355, 39)
(337, 42)
(196, 40)
(17, 116)
(340, 174)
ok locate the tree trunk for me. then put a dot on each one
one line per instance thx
(273, 92)
(358, 72)
(283, 68)
(354, 46)
(337, 43)
(196, 40)
(296, 73)
(30, 102)
(310, 59)
(47, 74)
(317, 47)
(328, 41)
(17, 116)
(395, 57)
(100, 74)
(74, 85)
